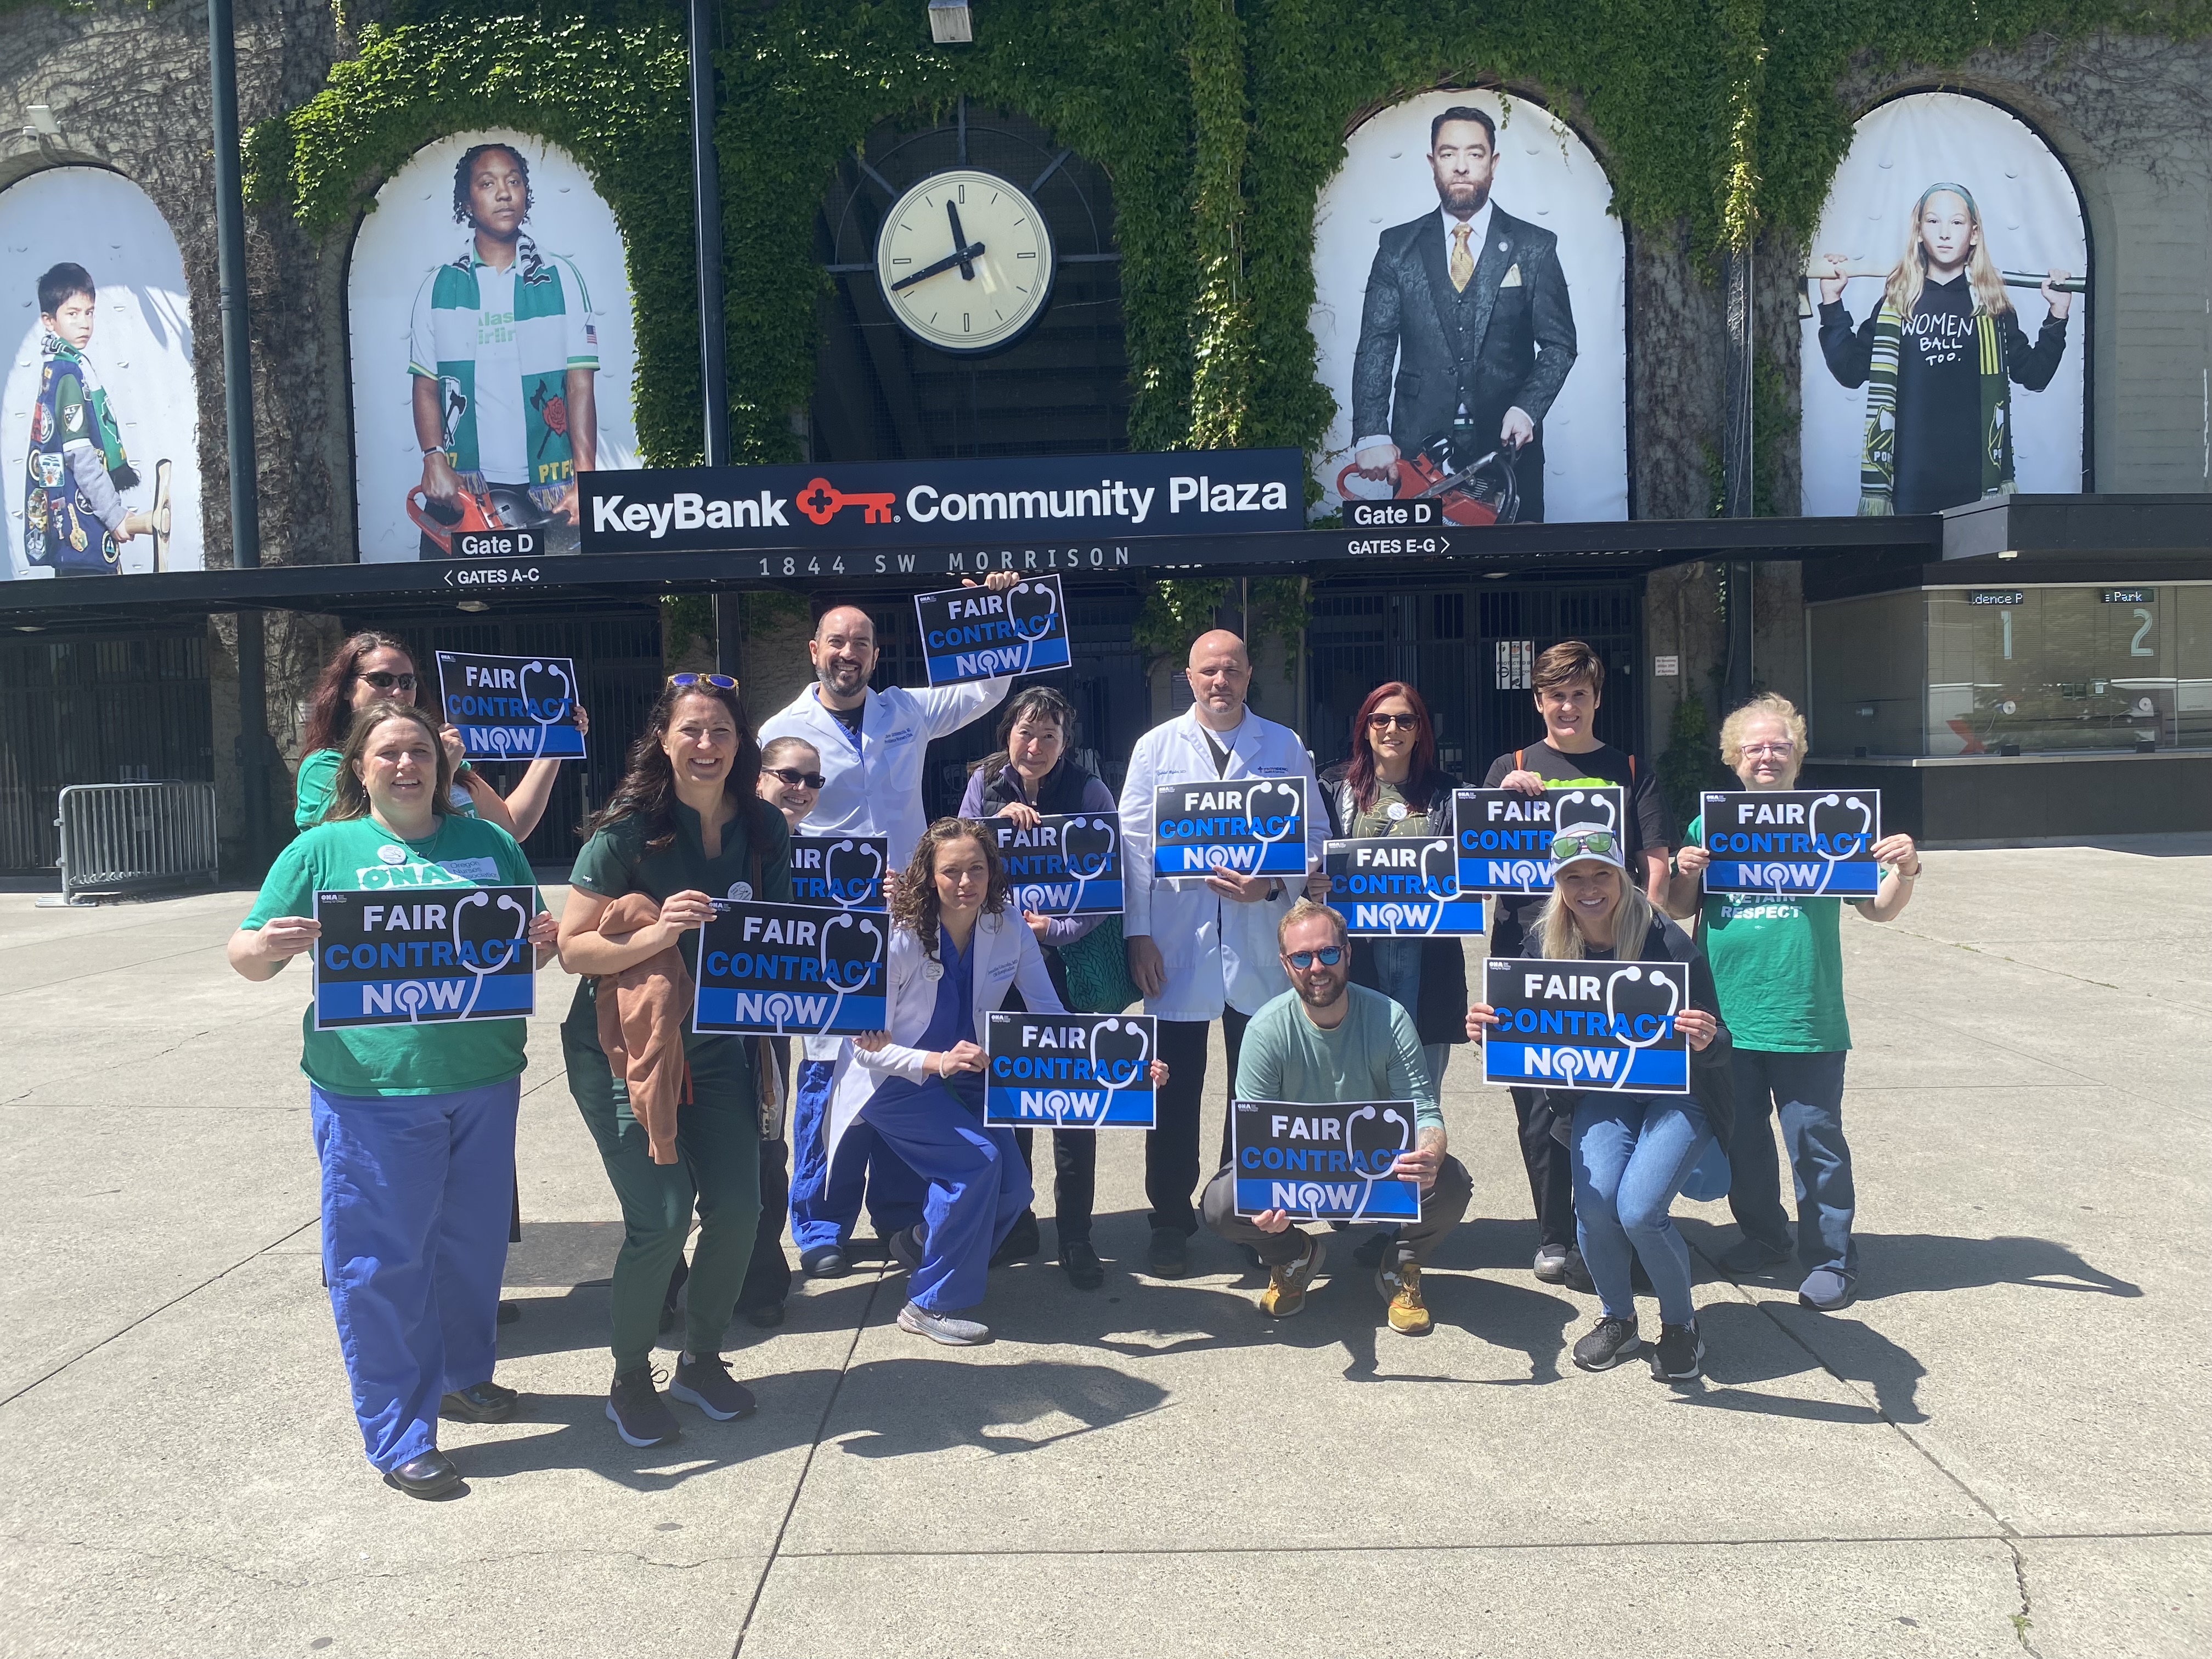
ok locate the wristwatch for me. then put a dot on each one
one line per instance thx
(1274, 889)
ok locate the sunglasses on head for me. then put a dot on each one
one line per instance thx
(1600, 842)
(1381, 722)
(719, 682)
(384, 680)
(796, 778)
(1328, 955)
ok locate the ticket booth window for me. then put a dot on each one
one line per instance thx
(2054, 669)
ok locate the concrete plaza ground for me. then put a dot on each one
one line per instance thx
(2000, 1448)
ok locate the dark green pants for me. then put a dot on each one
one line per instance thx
(717, 1170)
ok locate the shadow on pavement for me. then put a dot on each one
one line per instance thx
(1906, 1264)
(916, 1405)
(1742, 1348)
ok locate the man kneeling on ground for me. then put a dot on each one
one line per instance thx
(1327, 1042)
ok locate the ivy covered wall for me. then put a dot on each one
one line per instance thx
(1720, 123)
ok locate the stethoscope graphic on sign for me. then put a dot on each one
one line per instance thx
(1090, 865)
(1431, 909)
(414, 995)
(1293, 822)
(779, 1007)
(1567, 1062)
(1779, 876)
(1312, 1195)
(873, 884)
(1033, 627)
(499, 737)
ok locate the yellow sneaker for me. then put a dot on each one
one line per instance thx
(1287, 1286)
(1401, 1287)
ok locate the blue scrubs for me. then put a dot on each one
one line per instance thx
(825, 1203)
(416, 1208)
(978, 1184)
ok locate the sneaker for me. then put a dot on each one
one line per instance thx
(1680, 1354)
(1401, 1287)
(1751, 1255)
(905, 1246)
(942, 1327)
(1826, 1290)
(1084, 1271)
(510, 1312)
(640, 1415)
(766, 1317)
(1169, 1257)
(1287, 1286)
(1022, 1241)
(824, 1262)
(705, 1382)
(1610, 1341)
(480, 1402)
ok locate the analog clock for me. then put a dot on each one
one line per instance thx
(964, 261)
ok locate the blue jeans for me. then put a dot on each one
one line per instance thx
(1632, 1155)
(1808, 1090)
(416, 1203)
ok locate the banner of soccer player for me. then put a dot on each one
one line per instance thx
(1944, 317)
(99, 452)
(493, 352)
(1470, 315)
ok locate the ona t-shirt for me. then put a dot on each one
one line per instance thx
(354, 854)
(1779, 963)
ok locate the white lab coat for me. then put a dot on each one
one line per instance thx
(1217, 950)
(1006, 955)
(878, 791)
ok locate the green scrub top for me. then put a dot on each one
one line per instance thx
(615, 862)
(357, 854)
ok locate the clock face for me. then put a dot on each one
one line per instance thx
(964, 261)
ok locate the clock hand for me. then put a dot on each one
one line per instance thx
(959, 257)
(960, 249)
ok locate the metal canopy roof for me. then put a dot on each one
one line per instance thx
(79, 605)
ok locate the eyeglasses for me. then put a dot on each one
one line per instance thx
(1381, 722)
(1779, 750)
(719, 682)
(1328, 955)
(795, 778)
(1603, 842)
(385, 681)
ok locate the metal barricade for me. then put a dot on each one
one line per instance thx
(126, 837)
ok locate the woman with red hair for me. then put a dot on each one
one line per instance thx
(1392, 786)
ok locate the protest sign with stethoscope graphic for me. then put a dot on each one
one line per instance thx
(511, 709)
(1399, 887)
(790, 970)
(975, 634)
(424, 955)
(1237, 826)
(1575, 1025)
(1793, 843)
(1069, 1070)
(1503, 837)
(1069, 865)
(1326, 1160)
(842, 872)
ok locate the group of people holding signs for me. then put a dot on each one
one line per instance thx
(798, 997)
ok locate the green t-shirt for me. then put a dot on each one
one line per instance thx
(1778, 965)
(358, 854)
(318, 780)
(1374, 1053)
(615, 861)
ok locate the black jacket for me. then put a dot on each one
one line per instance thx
(1442, 1016)
(1710, 1082)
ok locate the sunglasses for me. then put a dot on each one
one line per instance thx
(719, 682)
(795, 778)
(385, 681)
(1603, 842)
(1383, 722)
(1328, 955)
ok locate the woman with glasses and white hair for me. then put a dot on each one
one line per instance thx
(1631, 1152)
(1780, 964)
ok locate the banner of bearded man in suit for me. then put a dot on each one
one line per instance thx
(1468, 373)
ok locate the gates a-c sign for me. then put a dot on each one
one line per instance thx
(906, 503)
